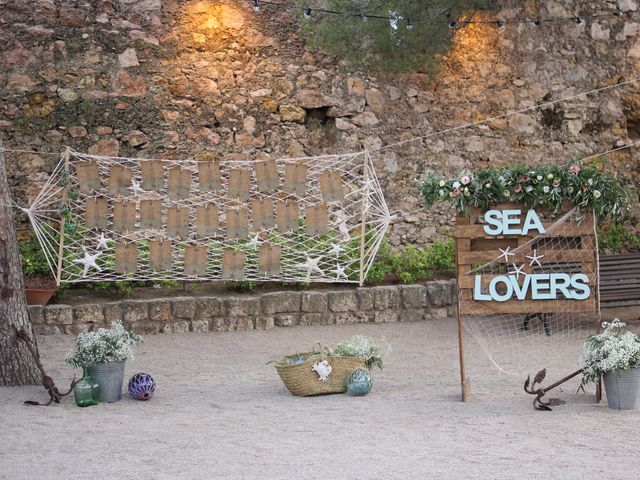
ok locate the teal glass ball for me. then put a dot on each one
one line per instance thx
(359, 382)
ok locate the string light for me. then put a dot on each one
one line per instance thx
(452, 23)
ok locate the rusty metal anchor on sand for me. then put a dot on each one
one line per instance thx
(538, 402)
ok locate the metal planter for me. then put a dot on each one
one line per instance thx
(109, 376)
(623, 389)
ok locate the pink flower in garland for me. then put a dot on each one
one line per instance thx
(518, 188)
(524, 178)
(465, 180)
(574, 169)
(455, 192)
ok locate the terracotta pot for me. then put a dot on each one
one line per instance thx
(39, 296)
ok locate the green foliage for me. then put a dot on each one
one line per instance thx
(618, 238)
(412, 264)
(383, 44)
(550, 186)
(241, 285)
(34, 263)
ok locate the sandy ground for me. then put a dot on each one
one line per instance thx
(220, 413)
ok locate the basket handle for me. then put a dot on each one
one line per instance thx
(323, 350)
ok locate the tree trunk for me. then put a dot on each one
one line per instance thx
(17, 366)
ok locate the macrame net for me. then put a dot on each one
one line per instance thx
(522, 336)
(128, 219)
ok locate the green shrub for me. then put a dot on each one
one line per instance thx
(618, 238)
(33, 260)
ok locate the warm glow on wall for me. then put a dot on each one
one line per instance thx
(210, 18)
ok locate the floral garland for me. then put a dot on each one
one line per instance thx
(583, 185)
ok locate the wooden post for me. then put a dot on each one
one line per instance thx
(465, 384)
(597, 291)
(363, 224)
(66, 155)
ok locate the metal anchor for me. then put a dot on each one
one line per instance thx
(538, 402)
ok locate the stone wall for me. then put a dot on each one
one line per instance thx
(211, 78)
(404, 303)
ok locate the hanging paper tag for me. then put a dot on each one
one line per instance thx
(269, 259)
(126, 258)
(207, 220)
(267, 176)
(195, 260)
(96, 213)
(239, 184)
(178, 222)
(295, 178)
(124, 216)
(88, 176)
(317, 221)
(262, 210)
(209, 175)
(160, 257)
(152, 175)
(287, 215)
(179, 183)
(331, 186)
(233, 265)
(237, 223)
(151, 214)
(120, 180)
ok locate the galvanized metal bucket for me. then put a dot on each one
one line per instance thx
(109, 376)
(623, 389)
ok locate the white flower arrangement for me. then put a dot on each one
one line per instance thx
(103, 345)
(362, 347)
(613, 349)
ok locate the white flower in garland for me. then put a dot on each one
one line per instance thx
(597, 194)
(545, 189)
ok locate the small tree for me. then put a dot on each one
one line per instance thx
(416, 33)
(17, 365)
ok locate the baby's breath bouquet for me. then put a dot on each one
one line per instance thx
(103, 345)
(361, 347)
(612, 349)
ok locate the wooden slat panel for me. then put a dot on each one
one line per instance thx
(471, 307)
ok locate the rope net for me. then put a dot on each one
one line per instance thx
(318, 219)
(521, 331)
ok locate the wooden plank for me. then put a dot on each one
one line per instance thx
(482, 257)
(467, 282)
(565, 230)
(472, 307)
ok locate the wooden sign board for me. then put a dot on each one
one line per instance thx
(295, 178)
(124, 216)
(179, 183)
(269, 259)
(160, 255)
(152, 175)
(88, 176)
(120, 180)
(287, 215)
(209, 175)
(239, 184)
(96, 213)
(237, 223)
(262, 211)
(178, 222)
(207, 220)
(267, 179)
(126, 258)
(195, 260)
(317, 219)
(331, 186)
(151, 214)
(233, 265)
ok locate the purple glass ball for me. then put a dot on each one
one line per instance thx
(141, 386)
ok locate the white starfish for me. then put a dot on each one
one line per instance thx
(136, 188)
(336, 249)
(102, 242)
(339, 271)
(255, 241)
(535, 258)
(89, 261)
(310, 266)
(518, 271)
(506, 253)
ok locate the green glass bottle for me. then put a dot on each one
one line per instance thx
(87, 390)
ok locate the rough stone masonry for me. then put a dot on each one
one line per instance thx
(211, 78)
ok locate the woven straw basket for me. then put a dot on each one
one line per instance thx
(301, 380)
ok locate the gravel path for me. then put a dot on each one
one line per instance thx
(220, 413)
